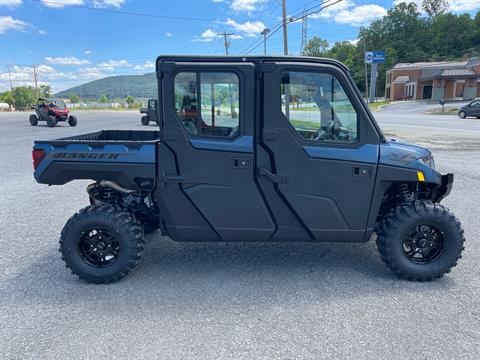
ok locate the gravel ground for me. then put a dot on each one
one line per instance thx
(221, 301)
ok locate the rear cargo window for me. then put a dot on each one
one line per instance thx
(317, 106)
(207, 103)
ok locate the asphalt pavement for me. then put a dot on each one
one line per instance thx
(225, 301)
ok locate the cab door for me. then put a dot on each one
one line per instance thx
(206, 157)
(323, 149)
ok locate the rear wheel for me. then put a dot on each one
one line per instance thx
(33, 120)
(462, 114)
(145, 120)
(101, 243)
(72, 120)
(51, 121)
(420, 241)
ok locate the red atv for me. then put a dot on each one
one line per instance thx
(51, 111)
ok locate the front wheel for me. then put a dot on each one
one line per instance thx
(145, 120)
(72, 120)
(462, 114)
(420, 241)
(102, 243)
(51, 121)
(33, 120)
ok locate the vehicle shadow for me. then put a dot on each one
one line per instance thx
(193, 274)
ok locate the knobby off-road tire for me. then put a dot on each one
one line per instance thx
(85, 240)
(51, 121)
(145, 120)
(72, 120)
(33, 120)
(420, 241)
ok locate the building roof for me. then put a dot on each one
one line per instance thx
(459, 72)
(430, 65)
(401, 79)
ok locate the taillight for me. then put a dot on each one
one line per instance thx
(37, 156)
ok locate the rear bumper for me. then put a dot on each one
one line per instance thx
(444, 189)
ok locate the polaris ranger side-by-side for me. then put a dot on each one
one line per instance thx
(150, 112)
(253, 149)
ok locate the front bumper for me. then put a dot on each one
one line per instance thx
(443, 190)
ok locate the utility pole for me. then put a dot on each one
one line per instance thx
(35, 81)
(264, 32)
(11, 87)
(284, 25)
(226, 42)
(304, 32)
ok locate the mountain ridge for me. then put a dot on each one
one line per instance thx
(119, 86)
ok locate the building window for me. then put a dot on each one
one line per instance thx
(317, 106)
(207, 103)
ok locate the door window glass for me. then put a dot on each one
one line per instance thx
(317, 107)
(207, 103)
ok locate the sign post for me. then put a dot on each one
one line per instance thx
(374, 58)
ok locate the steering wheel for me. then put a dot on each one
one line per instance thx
(327, 131)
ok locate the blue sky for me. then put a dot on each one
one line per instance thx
(75, 41)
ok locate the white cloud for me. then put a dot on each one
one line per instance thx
(9, 23)
(346, 12)
(45, 69)
(361, 15)
(218, 1)
(246, 5)
(330, 11)
(147, 65)
(457, 6)
(92, 72)
(61, 3)
(87, 52)
(66, 60)
(111, 65)
(207, 35)
(248, 29)
(168, 34)
(42, 32)
(10, 3)
(107, 3)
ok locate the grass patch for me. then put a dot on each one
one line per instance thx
(448, 111)
(377, 104)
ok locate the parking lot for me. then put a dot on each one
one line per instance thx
(234, 300)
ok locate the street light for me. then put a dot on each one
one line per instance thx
(264, 32)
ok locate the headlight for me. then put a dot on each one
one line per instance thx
(428, 161)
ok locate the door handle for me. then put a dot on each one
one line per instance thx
(362, 171)
(275, 178)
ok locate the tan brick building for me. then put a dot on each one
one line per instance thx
(434, 80)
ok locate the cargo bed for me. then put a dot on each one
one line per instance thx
(124, 156)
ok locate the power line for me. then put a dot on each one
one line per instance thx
(125, 12)
(325, 4)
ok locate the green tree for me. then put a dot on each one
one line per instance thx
(24, 97)
(103, 99)
(74, 98)
(129, 100)
(45, 91)
(316, 46)
(433, 8)
(6, 97)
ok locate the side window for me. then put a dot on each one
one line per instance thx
(207, 103)
(317, 107)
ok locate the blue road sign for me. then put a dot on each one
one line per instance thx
(375, 57)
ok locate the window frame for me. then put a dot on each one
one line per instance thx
(323, 69)
(198, 73)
